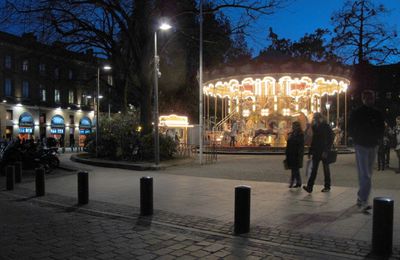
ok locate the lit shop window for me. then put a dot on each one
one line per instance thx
(71, 97)
(25, 65)
(42, 93)
(57, 96)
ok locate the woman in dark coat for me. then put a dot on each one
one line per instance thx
(294, 154)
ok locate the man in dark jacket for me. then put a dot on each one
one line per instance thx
(322, 140)
(366, 126)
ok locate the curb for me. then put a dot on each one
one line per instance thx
(114, 164)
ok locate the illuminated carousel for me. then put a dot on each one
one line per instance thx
(264, 105)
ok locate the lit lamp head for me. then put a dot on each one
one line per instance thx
(327, 106)
(106, 67)
(165, 26)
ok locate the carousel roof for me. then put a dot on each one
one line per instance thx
(296, 79)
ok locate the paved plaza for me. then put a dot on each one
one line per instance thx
(194, 210)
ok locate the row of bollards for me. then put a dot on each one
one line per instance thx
(13, 175)
(382, 226)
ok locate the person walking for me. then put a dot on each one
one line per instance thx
(321, 144)
(234, 130)
(295, 153)
(396, 132)
(366, 126)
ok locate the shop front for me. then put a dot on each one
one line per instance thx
(57, 129)
(85, 128)
(176, 127)
(26, 126)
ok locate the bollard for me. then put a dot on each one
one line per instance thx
(40, 181)
(242, 209)
(18, 172)
(382, 226)
(146, 196)
(10, 177)
(83, 187)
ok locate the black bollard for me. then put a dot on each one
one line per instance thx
(18, 172)
(382, 226)
(83, 187)
(146, 196)
(40, 181)
(10, 177)
(242, 209)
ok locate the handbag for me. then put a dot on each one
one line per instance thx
(332, 156)
(285, 165)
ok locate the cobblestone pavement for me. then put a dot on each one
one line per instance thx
(54, 227)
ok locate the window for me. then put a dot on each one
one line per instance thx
(7, 61)
(57, 95)
(25, 65)
(9, 115)
(42, 68)
(388, 95)
(71, 97)
(7, 87)
(42, 93)
(57, 73)
(110, 80)
(25, 89)
(71, 119)
(70, 74)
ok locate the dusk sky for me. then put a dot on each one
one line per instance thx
(304, 16)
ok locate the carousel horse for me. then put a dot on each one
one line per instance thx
(266, 132)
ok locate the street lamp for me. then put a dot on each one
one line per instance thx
(105, 67)
(327, 106)
(164, 27)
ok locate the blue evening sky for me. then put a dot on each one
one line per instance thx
(304, 16)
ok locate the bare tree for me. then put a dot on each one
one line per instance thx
(359, 36)
(121, 31)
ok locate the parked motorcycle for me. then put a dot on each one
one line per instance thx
(30, 155)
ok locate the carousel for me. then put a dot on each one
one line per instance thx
(260, 108)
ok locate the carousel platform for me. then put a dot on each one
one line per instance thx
(266, 150)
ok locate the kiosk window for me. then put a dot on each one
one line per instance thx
(9, 115)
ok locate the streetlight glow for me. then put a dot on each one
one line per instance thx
(165, 26)
(107, 67)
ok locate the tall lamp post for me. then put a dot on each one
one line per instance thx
(105, 67)
(164, 27)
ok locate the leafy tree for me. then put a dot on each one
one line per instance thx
(359, 36)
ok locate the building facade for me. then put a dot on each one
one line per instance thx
(46, 90)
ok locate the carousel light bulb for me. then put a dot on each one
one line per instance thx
(264, 112)
(246, 113)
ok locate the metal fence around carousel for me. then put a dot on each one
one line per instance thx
(191, 151)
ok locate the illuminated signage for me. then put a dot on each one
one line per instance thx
(57, 130)
(25, 130)
(84, 131)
